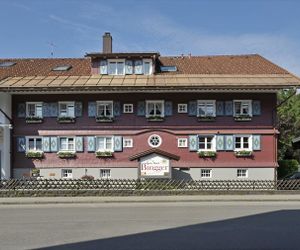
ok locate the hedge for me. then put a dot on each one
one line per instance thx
(287, 167)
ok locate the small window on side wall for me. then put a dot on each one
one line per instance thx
(127, 142)
(127, 108)
(182, 142)
(182, 108)
(105, 173)
(242, 173)
(67, 173)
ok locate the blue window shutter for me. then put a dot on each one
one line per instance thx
(91, 143)
(117, 108)
(229, 142)
(54, 144)
(220, 108)
(256, 108)
(53, 109)
(129, 67)
(92, 109)
(228, 108)
(118, 143)
(138, 67)
(193, 108)
(78, 109)
(193, 142)
(21, 144)
(46, 144)
(21, 110)
(168, 108)
(103, 67)
(79, 143)
(256, 142)
(141, 108)
(220, 143)
(46, 109)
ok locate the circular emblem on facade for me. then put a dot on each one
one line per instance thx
(154, 141)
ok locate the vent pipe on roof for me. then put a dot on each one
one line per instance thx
(107, 43)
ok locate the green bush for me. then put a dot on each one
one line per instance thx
(287, 167)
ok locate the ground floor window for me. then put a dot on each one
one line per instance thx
(67, 173)
(242, 173)
(206, 173)
(105, 173)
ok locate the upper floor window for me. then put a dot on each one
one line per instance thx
(182, 142)
(105, 143)
(147, 67)
(34, 109)
(66, 109)
(242, 107)
(207, 143)
(116, 67)
(206, 108)
(243, 142)
(155, 108)
(127, 142)
(105, 109)
(34, 144)
(128, 108)
(67, 143)
(182, 108)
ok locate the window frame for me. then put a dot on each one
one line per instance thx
(241, 176)
(130, 145)
(110, 61)
(203, 174)
(98, 103)
(179, 140)
(182, 105)
(66, 103)
(213, 143)
(67, 170)
(34, 137)
(103, 170)
(206, 102)
(35, 109)
(68, 149)
(151, 66)
(249, 102)
(149, 141)
(128, 105)
(105, 144)
(242, 148)
(162, 102)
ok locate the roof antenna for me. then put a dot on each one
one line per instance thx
(52, 45)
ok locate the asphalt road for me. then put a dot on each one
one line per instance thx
(173, 225)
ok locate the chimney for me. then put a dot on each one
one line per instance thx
(107, 43)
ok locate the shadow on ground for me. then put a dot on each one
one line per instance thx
(274, 230)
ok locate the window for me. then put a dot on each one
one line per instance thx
(105, 109)
(66, 173)
(62, 68)
(168, 68)
(34, 109)
(127, 143)
(207, 143)
(154, 141)
(242, 107)
(206, 173)
(7, 64)
(243, 142)
(182, 108)
(206, 108)
(242, 173)
(155, 108)
(66, 109)
(116, 67)
(67, 143)
(147, 67)
(128, 108)
(105, 173)
(34, 144)
(105, 144)
(182, 142)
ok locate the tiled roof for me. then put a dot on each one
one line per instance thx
(240, 65)
(44, 66)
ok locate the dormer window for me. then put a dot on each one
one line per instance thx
(147, 67)
(116, 67)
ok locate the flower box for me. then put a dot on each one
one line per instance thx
(104, 119)
(243, 153)
(242, 118)
(66, 154)
(34, 154)
(207, 154)
(155, 119)
(105, 154)
(206, 118)
(66, 119)
(33, 119)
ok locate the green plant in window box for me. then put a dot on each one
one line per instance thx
(34, 154)
(104, 154)
(207, 154)
(155, 118)
(66, 154)
(243, 153)
(66, 119)
(104, 119)
(242, 118)
(33, 119)
(206, 118)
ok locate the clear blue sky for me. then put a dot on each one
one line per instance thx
(204, 27)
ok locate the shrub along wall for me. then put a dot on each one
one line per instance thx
(287, 167)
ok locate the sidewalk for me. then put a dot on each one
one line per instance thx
(130, 199)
